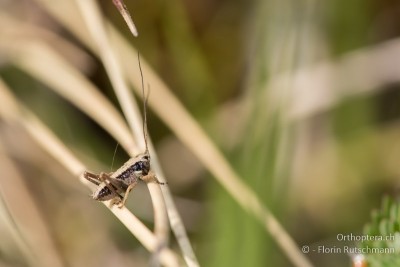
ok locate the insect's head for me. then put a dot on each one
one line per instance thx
(145, 164)
(142, 165)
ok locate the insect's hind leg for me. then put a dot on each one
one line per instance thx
(111, 184)
(91, 177)
(96, 178)
(128, 190)
(105, 178)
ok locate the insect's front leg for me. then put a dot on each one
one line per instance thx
(151, 177)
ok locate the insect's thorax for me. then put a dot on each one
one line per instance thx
(134, 169)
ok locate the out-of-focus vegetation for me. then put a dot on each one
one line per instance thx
(302, 97)
(384, 223)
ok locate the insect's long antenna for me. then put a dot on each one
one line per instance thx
(144, 108)
(115, 152)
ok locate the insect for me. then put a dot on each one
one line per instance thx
(111, 186)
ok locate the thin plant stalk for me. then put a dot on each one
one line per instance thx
(92, 16)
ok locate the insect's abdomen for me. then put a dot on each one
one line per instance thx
(103, 193)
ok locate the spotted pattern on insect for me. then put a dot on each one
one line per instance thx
(137, 170)
(104, 193)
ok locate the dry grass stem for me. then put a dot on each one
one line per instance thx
(93, 18)
(36, 58)
(9, 228)
(49, 142)
(317, 87)
(14, 29)
(25, 222)
(174, 217)
(126, 15)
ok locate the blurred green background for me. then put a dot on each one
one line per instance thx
(302, 97)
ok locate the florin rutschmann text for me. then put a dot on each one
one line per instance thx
(353, 250)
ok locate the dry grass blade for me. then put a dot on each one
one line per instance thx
(32, 229)
(92, 16)
(126, 15)
(314, 88)
(46, 139)
(24, 223)
(174, 217)
(38, 59)
(9, 231)
(17, 29)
